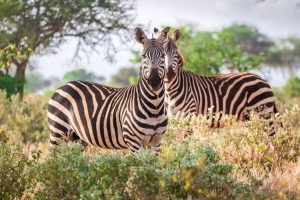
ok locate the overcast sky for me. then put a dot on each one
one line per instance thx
(276, 18)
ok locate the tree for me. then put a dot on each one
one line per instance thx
(208, 52)
(36, 82)
(124, 77)
(42, 25)
(8, 83)
(292, 87)
(285, 53)
(82, 74)
(248, 38)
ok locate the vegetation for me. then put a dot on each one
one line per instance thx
(42, 25)
(124, 77)
(235, 48)
(239, 161)
(207, 53)
(292, 87)
(82, 74)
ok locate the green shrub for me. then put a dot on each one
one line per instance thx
(180, 172)
(15, 177)
(23, 121)
(247, 147)
(10, 84)
(292, 87)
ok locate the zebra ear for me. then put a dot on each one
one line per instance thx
(156, 33)
(164, 34)
(140, 36)
(176, 35)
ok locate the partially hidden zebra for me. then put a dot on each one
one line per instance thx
(132, 117)
(232, 94)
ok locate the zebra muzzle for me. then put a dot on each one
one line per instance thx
(154, 80)
(170, 74)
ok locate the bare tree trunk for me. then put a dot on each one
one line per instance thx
(20, 75)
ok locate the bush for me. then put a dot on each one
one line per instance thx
(180, 172)
(10, 84)
(23, 122)
(292, 87)
(15, 177)
(239, 161)
(247, 147)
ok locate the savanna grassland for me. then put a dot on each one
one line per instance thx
(239, 161)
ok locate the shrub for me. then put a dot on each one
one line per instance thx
(180, 172)
(23, 122)
(246, 146)
(10, 84)
(15, 178)
(292, 87)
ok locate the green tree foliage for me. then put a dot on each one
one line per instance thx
(82, 74)
(43, 25)
(249, 39)
(292, 87)
(8, 55)
(285, 53)
(35, 82)
(207, 52)
(124, 77)
(10, 84)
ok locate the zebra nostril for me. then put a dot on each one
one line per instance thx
(154, 80)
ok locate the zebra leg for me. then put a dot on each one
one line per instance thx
(54, 138)
(155, 143)
(72, 136)
(156, 149)
(266, 112)
(134, 144)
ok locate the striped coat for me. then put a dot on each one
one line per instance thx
(132, 117)
(233, 94)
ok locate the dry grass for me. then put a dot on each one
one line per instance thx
(248, 148)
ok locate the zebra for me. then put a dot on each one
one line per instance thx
(131, 118)
(233, 94)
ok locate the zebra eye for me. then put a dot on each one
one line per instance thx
(143, 56)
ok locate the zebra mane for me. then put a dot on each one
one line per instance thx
(181, 58)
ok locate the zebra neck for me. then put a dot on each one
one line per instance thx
(176, 83)
(147, 94)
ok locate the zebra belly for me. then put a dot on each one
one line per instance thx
(103, 131)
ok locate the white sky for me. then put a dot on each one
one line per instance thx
(276, 18)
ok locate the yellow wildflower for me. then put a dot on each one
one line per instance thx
(7, 63)
(200, 190)
(29, 49)
(18, 53)
(187, 185)
(162, 183)
(174, 178)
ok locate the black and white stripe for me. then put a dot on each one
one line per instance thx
(232, 94)
(115, 118)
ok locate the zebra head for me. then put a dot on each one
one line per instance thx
(173, 56)
(153, 58)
